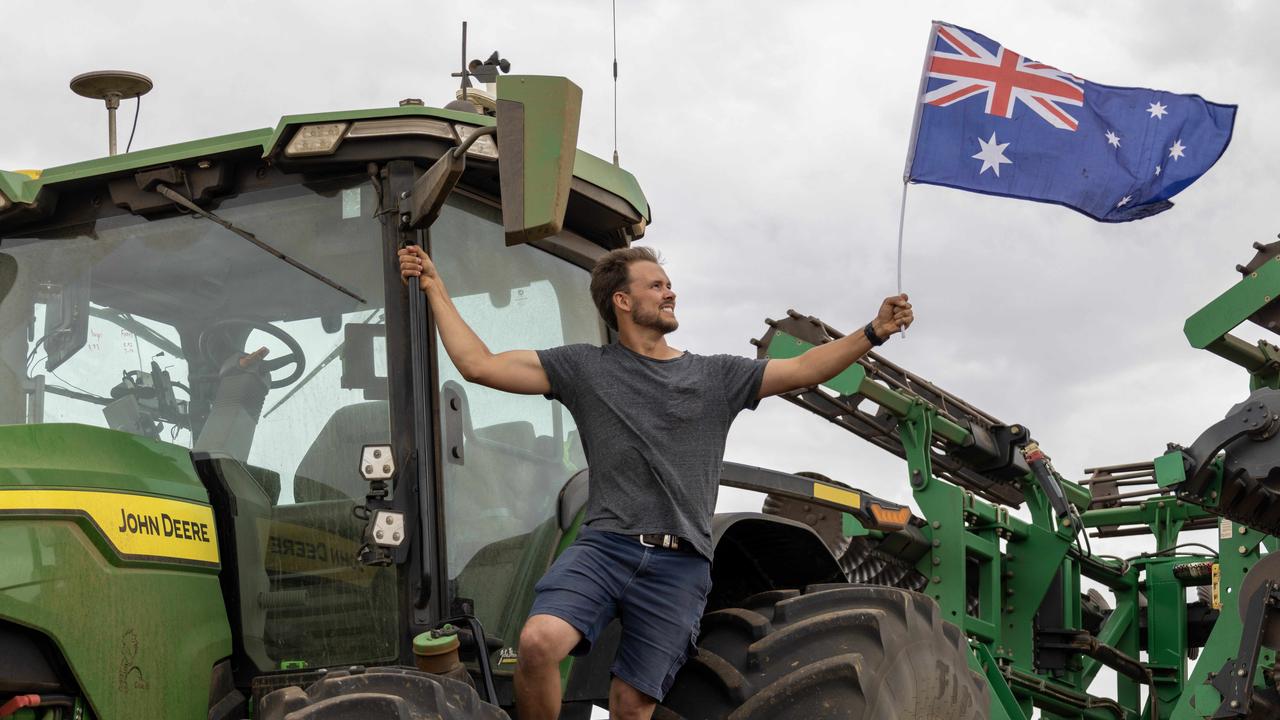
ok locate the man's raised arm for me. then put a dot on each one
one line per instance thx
(516, 371)
(821, 363)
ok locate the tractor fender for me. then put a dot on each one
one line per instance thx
(755, 552)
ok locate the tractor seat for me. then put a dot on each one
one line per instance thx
(331, 468)
(573, 497)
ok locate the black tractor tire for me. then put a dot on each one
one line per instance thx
(379, 694)
(853, 652)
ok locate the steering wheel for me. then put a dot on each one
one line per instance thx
(210, 349)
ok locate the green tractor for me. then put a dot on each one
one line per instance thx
(239, 477)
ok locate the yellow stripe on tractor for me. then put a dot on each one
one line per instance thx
(136, 526)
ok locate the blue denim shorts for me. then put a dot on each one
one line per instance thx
(658, 594)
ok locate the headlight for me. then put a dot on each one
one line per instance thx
(324, 138)
(403, 126)
(319, 139)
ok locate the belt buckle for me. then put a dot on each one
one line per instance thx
(668, 542)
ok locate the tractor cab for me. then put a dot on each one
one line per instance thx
(238, 300)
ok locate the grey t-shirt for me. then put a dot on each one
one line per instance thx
(653, 431)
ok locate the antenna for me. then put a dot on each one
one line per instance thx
(111, 86)
(465, 74)
(615, 83)
(486, 71)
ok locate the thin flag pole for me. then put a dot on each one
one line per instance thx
(911, 146)
(915, 119)
(902, 220)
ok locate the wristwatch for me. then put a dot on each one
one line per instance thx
(872, 337)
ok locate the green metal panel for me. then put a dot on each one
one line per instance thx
(852, 527)
(141, 641)
(537, 133)
(1238, 549)
(141, 637)
(14, 187)
(81, 456)
(1030, 565)
(1233, 306)
(607, 176)
(1167, 642)
(1169, 470)
(150, 157)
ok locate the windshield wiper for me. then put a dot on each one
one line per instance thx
(180, 199)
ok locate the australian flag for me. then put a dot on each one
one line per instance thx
(993, 121)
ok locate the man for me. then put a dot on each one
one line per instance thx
(654, 421)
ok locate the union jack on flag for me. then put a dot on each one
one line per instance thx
(1004, 77)
(991, 120)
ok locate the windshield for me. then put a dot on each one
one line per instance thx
(516, 451)
(178, 330)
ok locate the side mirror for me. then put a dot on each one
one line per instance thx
(537, 129)
(537, 145)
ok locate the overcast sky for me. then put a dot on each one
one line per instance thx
(769, 139)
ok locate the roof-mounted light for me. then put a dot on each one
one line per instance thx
(484, 148)
(319, 139)
(429, 127)
(324, 138)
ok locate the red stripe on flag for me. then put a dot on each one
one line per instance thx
(957, 95)
(961, 68)
(1006, 81)
(958, 45)
(1065, 118)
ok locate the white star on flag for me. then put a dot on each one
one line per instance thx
(1157, 170)
(992, 155)
(1175, 150)
(1157, 110)
(1124, 201)
(1113, 139)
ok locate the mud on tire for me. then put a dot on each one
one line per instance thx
(855, 652)
(379, 694)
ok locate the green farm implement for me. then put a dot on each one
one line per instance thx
(1014, 585)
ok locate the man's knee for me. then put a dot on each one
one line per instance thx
(546, 639)
(628, 703)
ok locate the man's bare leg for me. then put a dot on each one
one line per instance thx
(627, 703)
(544, 642)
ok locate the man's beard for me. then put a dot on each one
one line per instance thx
(655, 320)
